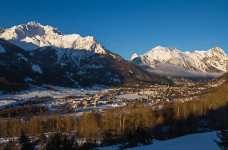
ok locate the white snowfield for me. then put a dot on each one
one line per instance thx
(4, 103)
(199, 141)
(33, 35)
(200, 61)
(137, 95)
(61, 92)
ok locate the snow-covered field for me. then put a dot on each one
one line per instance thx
(143, 94)
(60, 92)
(4, 103)
(128, 96)
(38, 92)
(199, 141)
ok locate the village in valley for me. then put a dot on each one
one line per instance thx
(77, 101)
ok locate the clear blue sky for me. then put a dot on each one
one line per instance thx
(129, 26)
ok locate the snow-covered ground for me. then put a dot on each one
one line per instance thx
(4, 103)
(128, 96)
(137, 95)
(36, 68)
(60, 92)
(199, 141)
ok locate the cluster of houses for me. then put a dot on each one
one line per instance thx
(112, 97)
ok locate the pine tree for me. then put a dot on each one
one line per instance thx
(25, 142)
(42, 139)
(23, 138)
(60, 142)
(223, 136)
(54, 142)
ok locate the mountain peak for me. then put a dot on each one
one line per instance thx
(213, 60)
(33, 35)
(33, 23)
(134, 56)
(217, 49)
(159, 49)
(158, 53)
(158, 46)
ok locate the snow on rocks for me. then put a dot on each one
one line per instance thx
(211, 61)
(22, 57)
(36, 68)
(134, 56)
(33, 35)
(60, 92)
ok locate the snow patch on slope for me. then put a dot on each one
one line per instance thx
(22, 57)
(36, 68)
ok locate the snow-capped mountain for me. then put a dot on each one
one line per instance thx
(134, 56)
(216, 57)
(35, 54)
(33, 35)
(214, 60)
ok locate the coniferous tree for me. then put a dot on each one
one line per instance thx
(60, 142)
(223, 136)
(54, 142)
(25, 142)
(42, 140)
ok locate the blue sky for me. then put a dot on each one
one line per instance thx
(129, 26)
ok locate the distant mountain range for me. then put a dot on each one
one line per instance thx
(162, 60)
(33, 54)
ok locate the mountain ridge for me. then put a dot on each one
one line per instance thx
(33, 35)
(63, 61)
(214, 60)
